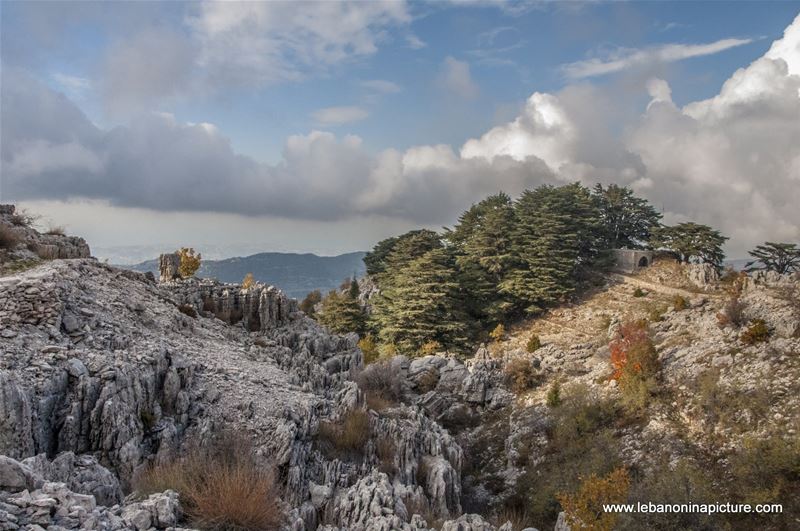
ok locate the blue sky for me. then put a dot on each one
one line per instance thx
(387, 83)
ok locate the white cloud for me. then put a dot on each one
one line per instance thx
(414, 42)
(382, 86)
(730, 161)
(339, 115)
(455, 78)
(624, 58)
(257, 43)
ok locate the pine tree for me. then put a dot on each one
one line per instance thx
(691, 242)
(627, 220)
(779, 257)
(482, 241)
(342, 314)
(422, 304)
(557, 236)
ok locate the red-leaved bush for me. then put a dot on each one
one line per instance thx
(632, 351)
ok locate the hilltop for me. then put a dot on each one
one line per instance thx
(295, 274)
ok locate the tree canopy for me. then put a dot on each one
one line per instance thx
(691, 242)
(628, 220)
(779, 257)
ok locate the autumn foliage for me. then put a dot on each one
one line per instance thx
(632, 351)
(584, 508)
(190, 262)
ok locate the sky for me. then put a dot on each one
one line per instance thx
(327, 126)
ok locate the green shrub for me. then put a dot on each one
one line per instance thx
(554, 394)
(757, 332)
(639, 293)
(369, 349)
(534, 344)
(498, 333)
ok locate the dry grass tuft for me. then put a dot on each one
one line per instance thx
(8, 238)
(222, 487)
(346, 437)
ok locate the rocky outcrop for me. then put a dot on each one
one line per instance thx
(33, 244)
(168, 267)
(32, 498)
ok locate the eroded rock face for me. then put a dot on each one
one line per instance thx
(104, 372)
(45, 246)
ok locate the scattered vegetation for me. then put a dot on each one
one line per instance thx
(429, 348)
(427, 381)
(757, 332)
(520, 375)
(310, 301)
(385, 449)
(580, 443)
(222, 486)
(584, 508)
(249, 281)
(533, 344)
(638, 292)
(190, 262)
(346, 437)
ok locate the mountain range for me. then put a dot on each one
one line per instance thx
(295, 274)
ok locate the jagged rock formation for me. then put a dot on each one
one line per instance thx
(104, 371)
(34, 245)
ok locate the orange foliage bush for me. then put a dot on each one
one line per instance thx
(584, 508)
(633, 350)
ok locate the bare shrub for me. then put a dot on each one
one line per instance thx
(22, 218)
(56, 230)
(380, 380)
(520, 375)
(222, 487)
(346, 437)
(8, 238)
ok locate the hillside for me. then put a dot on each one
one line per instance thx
(295, 274)
(112, 385)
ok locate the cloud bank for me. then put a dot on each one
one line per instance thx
(730, 161)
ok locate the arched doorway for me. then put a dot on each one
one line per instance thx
(643, 261)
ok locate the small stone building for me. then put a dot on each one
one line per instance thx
(632, 260)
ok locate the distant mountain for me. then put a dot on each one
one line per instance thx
(295, 274)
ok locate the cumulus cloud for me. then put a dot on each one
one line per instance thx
(339, 115)
(624, 59)
(455, 78)
(730, 161)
